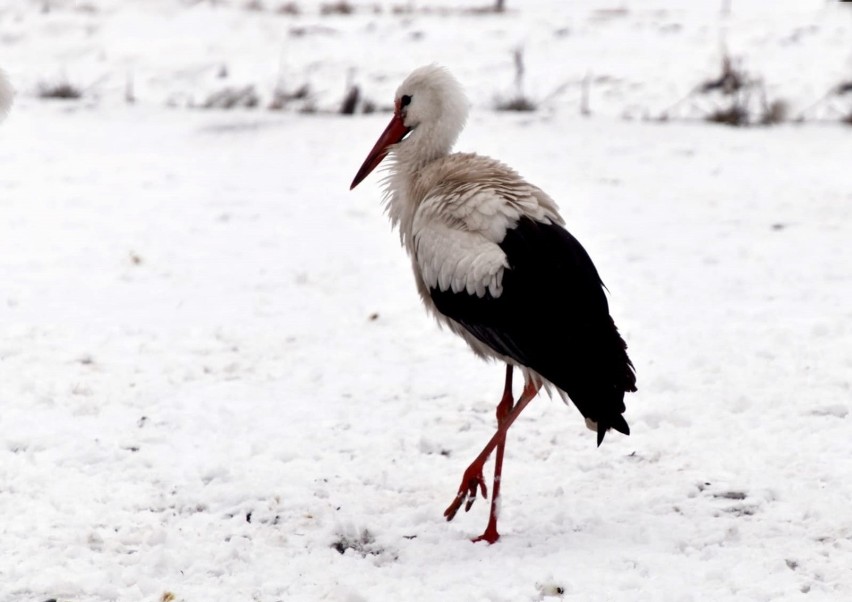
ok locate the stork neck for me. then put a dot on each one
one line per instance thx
(408, 182)
(424, 145)
(403, 194)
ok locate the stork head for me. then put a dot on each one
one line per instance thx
(430, 109)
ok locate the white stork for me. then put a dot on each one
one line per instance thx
(493, 263)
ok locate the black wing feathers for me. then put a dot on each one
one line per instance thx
(553, 317)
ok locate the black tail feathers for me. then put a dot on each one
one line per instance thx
(616, 422)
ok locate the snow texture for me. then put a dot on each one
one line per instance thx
(217, 381)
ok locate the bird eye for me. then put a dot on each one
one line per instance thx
(405, 100)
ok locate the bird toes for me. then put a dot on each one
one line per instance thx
(472, 481)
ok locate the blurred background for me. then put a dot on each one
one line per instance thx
(733, 61)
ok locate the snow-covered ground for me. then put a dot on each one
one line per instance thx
(215, 374)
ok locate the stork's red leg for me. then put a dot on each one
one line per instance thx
(472, 479)
(503, 408)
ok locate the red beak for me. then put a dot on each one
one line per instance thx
(395, 132)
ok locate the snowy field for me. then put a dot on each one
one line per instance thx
(216, 378)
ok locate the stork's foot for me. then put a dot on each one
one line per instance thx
(471, 481)
(490, 535)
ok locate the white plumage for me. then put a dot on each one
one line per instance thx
(456, 260)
